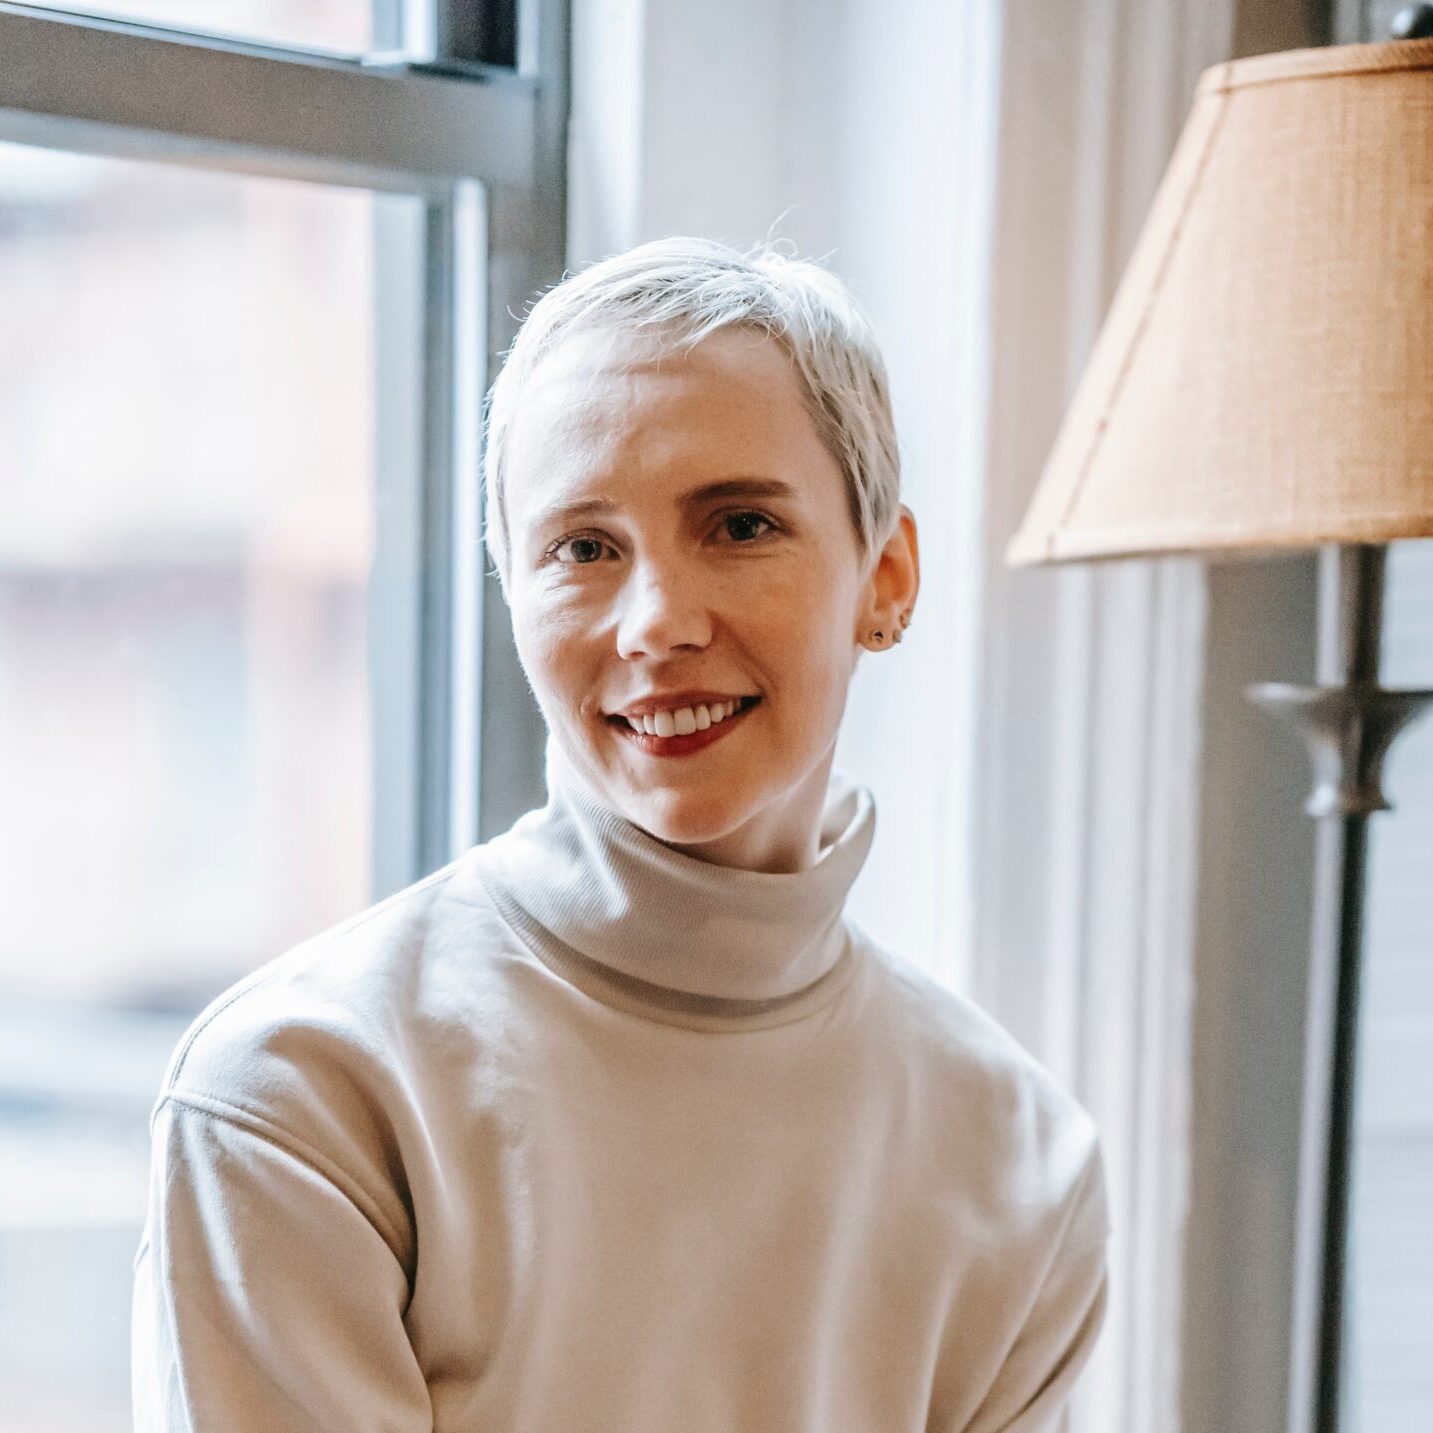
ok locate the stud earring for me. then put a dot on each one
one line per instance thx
(905, 621)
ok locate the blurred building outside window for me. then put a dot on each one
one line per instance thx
(186, 525)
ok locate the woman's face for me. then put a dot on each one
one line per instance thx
(678, 532)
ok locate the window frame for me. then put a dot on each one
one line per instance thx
(458, 748)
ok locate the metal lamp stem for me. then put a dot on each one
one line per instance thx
(1348, 721)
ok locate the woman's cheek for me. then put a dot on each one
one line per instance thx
(753, 587)
(807, 599)
(548, 642)
(557, 617)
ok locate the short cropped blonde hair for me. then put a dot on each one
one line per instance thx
(685, 289)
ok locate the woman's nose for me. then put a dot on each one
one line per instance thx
(662, 607)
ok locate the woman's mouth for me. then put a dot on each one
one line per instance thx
(694, 741)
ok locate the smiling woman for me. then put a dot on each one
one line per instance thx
(683, 594)
(619, 1121)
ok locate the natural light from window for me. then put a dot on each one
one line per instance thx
(186, 526)
(343, 26)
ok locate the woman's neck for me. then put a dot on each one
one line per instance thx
(576, 875)
(782, 838)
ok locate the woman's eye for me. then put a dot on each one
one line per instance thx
(739, 524)
(585, 549)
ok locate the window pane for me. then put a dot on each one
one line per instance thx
(187, 517)
(342, 26)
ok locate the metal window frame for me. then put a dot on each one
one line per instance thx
(484, 148)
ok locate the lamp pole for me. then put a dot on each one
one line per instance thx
(1349, 722)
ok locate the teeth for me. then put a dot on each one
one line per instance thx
(684, 720)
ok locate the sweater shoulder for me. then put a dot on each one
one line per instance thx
(344, 1048)
(985, 1091)
(341, 1008)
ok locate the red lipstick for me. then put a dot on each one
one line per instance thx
(681, 745)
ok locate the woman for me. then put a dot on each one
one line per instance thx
(617, 1123)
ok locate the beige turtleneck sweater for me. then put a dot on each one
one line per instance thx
(583, 1135)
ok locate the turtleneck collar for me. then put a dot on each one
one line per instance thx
(593, 893)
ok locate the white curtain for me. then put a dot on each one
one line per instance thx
(1088, 685)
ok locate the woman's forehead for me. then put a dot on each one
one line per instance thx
(601, 410)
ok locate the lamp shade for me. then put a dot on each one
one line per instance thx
(1264, 378)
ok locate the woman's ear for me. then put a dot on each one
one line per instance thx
(890, 593)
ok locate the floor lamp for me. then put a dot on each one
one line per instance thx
(1264, 382)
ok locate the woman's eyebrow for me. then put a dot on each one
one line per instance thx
(739, 487)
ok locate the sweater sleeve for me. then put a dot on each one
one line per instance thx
(264, 1297)
(1034, 1383)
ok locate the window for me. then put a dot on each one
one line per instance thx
(340, 25)
(1391, 1268)
(246, 681)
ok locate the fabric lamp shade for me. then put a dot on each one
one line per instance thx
(1264, 378)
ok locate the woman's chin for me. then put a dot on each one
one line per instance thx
(687, 818)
